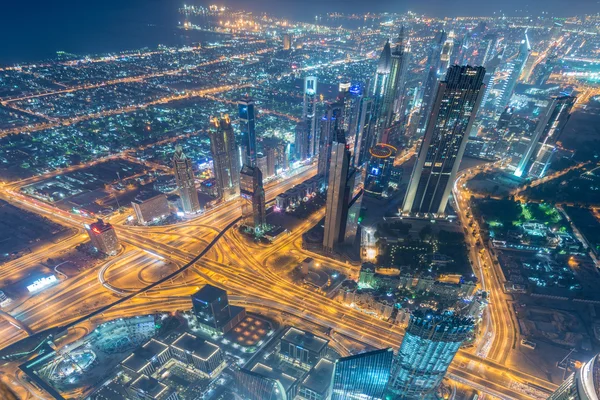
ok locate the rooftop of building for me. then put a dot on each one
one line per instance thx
(198, 347)
(141, 356)
(100, 226)
(150, 387)
(305, 340)
(146, 195)
(273, 373)
(209, 293)
(319, 378)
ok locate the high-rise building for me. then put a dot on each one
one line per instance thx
(364, 137)
(309, 115)
(149, 206)
(430, 81)
(393, 98)
(362, 376)
(248, 129)
(552, 121)
(379, 86)
(337, 205)
(225, 159)
(430, 343)
(213, 313)
(252, 195)
(380, 170)
(103, 237)
(184, 176)
(454, 108)
(330, 126)
(271, 161)
(515, 68)
(287, 41)
(584, 384)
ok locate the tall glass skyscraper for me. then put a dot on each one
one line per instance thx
(552, 121)
(225, 160)
(184, 176)
(363, 376)
(252, 194)
(309, 115)
(515, 69)
(454, 109)
(583, 384)
(247, 127)
(429, 345)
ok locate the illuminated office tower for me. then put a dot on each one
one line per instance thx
(446, 55)
(248, 129)
(552, 121)
(379, 86)
(363, 376)
(393, 97)
(583, 384)
(309, 114)
(184, 176)
(336, 205)
(287, 41)
(430, 81)
(252, 195)
(515, 68)
(225, 159)
(329, 126)
(301, 141)
(428, 347)
(454, 108)
(103, 237)
(363, 131)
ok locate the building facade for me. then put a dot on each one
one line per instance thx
(248, 129)
(362, 376)
(225, 158)
(430, 343)
(455, 106)
(184, 176)
(103, 237)
(252, 196)
(336, 206)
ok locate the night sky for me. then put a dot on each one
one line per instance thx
(35, 29)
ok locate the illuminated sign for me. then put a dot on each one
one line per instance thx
(42, 283)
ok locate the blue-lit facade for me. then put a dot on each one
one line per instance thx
(430, 343)
(363, 376)
(248, 129)
(380, 169)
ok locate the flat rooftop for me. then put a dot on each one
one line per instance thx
(150, 386)
(196, 346)
(305, 340)
(141, 356)
(286, 380)
(319, 378)
(209, 293)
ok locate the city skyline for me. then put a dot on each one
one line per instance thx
(300, 201)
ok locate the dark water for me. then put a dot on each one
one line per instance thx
(32, 30)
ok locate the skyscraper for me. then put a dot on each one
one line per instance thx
(582, 384)
(393, 99)
(309, 113)
(552, 121)
(379, 86)
(225, 160)
(429, 345)
(454, 109)
(184, 176)
(287, 41)
(330, 125)
(363, 131)
(252, 195)
(430, 80)
(362, 376)
(103, 237)
(515, 68)
(336, 206)
(247, 127)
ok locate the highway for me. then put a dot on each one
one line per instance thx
(244, 269)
